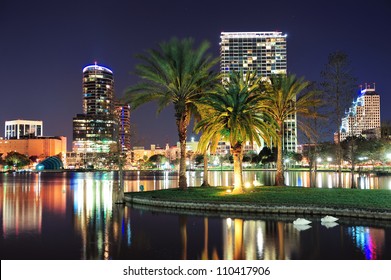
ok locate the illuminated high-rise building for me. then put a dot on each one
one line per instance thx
(122, 112)
(98, 91)
(363, 117)
(96, 129)
(262, 52)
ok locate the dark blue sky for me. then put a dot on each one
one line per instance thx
(45, 44)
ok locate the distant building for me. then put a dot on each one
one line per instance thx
(363, 117)
(19, 129)
(141, 154)
(93, 134)
(224, 148)
(41, 147)
(96, 129)
(122, 112)
(262, 52)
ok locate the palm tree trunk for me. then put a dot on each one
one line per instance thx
(237, 153)
(280, 166)
(182, 131)
(205, 182)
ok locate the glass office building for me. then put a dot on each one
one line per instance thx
(262, 52)
(96, 129)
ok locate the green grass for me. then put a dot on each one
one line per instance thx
(375, 200)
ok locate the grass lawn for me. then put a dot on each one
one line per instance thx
(375, 200)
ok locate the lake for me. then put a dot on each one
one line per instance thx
(72, 215)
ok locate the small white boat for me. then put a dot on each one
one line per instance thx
(301, 221)
(328, 219)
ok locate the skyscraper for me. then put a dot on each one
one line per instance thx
(96, 129)
(122, 112)
(262, 52)
(363, 117)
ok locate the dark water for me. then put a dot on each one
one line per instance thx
(74, 216)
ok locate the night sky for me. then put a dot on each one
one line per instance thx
(45, 44)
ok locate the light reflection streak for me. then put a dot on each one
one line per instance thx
(369, 240)
(319, 179)
(330, 181)
(260, 242)
(99, 221)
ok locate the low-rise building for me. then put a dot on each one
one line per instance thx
(41, 147)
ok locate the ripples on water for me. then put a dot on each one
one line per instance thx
(73, 216)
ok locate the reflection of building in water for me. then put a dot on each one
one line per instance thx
(99, 221)
(250, 240)
(369, 240)
(22, 210)
(23, 203)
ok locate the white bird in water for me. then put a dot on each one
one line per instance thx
(301, 221)
(328, 219)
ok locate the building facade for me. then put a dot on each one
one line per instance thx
(41, 147)
(96, 129)
(363, 117)
(262, 52)
(19, 129)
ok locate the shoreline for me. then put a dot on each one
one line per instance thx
(253, 208)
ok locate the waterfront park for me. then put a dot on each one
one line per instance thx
(242, 108)
(218, 212)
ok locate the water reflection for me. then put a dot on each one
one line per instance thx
(75, 216)
(369, 240)
(155, 180)
(98, 219)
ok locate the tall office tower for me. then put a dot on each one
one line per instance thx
(22, 129)
(96, 129)
(363, 117)
(263, 52)
(122, 112)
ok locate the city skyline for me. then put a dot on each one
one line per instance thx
(45, 45)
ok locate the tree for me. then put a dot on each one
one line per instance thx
(199, 159)
(338, 85)
(16, 159)
(314, 130)
(350, 147)
(158, 160)
(267, 155)
(175, 73)
(288, 95)
(237, 114)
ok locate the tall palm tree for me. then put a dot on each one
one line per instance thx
(288, 95)
(236, 114)
(176, 73)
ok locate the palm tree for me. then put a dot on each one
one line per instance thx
(288, 95)
(236, 114)
(178, 74)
